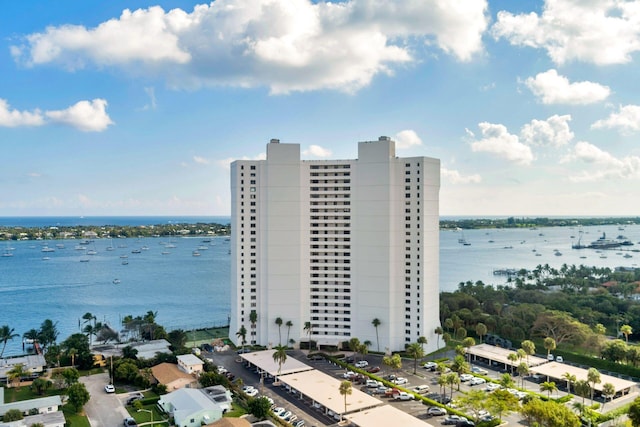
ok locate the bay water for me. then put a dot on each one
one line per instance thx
(162, 275)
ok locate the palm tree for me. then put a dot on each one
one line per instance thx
(593, 377)
(416, 352)
(529, 347)
(280, 356)
(16, 373)
(289, 324)
(512, 357)
(422, 341)
(549, 387)
(467, 343)
(438, 331)
(308, 327)
(523, 369)
(570, 380)
(253, 318)
(242, 334)
(506, 380)
(279, 323)
(550, 345)
(626, 330)
(582, 389)
(481, 330)
(376, 322)
(608, 391)
(345, 390)
(6, 334)
(452, 379)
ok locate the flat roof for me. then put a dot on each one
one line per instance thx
(385, 416)
(556, 370)
(325, 390)
(500, 355)
(264, 360)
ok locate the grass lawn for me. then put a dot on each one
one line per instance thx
(144, 417)
(236, 411)
(74, 419)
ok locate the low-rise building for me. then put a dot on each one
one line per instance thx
(191, 407)
(190, 364)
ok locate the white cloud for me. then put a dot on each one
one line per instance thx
(599, 32)
(627, 120)
(407, 139)
(602, 164)
(498, 141)
(200, 160)
(14, 118)
(552, 88)
(287, 45)
(455, 177)
(87, 116)
(554, 131)
(317, 151)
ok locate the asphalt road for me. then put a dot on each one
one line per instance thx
(103, 409)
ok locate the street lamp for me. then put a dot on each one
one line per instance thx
(150, 412)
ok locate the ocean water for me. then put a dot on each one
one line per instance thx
(190, 291)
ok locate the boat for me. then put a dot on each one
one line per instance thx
(45, 258)
(165, 252)
(47, 249)
(125, 262)
(60, 245)
(136, 251)
(91, 252)
(628, 256)
(203, 248)
(84, 260)
(195, 253)
(116, 281)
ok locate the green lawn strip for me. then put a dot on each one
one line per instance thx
(74, 419)
(159, 418)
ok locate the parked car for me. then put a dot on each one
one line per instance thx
(436, 411)
(206, 347)
(478, 370)
(492, 387)
(109, 388)
(134, 397)
(466, 377)
(477, 381)
(221, 369)
(129, 422)
(421, 389)
(373, 384)
(362, 364)
(284, 415)
(380, 390)
(430, 365)
(453, 419)
(559, 359)
(299, 423)
(465, 423)
(373, 369)
(278, 410)
(442, 398)
(348, 375)
(403, 395)
(391, 392)
(400, 381)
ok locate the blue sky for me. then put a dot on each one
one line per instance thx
(138, 107)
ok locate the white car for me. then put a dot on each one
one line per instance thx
(348, 374)
(285, 415)
(492, 387)
(400, 381)
(477, 381)
(279, 410)
(222, 369)
(436, 411)
(478, 370)
(362, 364)
(403, 395)
(109, 388)
(430, 365)
(466, 377)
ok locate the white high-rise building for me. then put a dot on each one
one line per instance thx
(335, 244)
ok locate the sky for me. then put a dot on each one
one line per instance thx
(138, 107)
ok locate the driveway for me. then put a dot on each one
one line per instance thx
(103, 409)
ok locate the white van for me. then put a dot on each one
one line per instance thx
(421, 389)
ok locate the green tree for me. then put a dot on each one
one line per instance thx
(289, 324)
(626, 330)
(177, 338)
(6, 334)
(308, 328)
(40, 385)
(570, 380)
(453, 379)
(354, 346)
(461, 333)
(634, 412)
(70, 375)
(12, 415)
(608, 391)
(422, 341)
(549, 387)
(529, 347)
(501, 403)
(549, 344)
(48, 333)
(523, 369)
(394, 361)
(549, 413)
(280, 356)
(279, 323)
(376, 322)
(481, 330)
(16, 373)
(593, 377)
(513, 358)
(474, 402)
(582, 389)
(242, 334)
(438, 331)
(506, 380)
(415, 351)
(467, 343)
(259, 407)
(78, 395)
(345, 390)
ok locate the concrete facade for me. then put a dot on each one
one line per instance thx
(336, 243)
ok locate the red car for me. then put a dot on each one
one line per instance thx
(373, 369)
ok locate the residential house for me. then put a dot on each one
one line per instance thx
(173, 377)
(190, 364)
(190, 407)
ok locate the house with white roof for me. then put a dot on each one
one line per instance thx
(190, 407)
(48, 413)
(190, 364)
